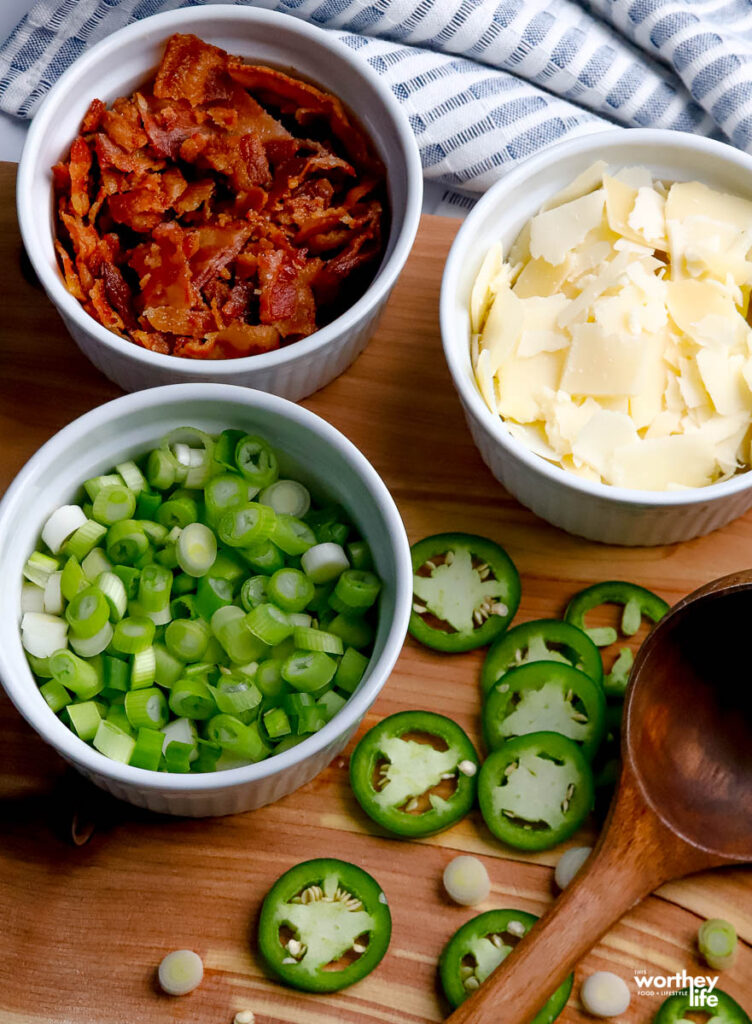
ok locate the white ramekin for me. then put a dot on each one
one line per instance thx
(123, 61)
(615, 515)
(128, 427)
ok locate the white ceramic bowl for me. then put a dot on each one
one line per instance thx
(123, 61)
(128, 427)
(615, 515)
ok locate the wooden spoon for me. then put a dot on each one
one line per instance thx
(683, 803)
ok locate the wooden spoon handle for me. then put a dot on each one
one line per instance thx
(635, 855)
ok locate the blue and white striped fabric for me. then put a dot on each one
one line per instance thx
(485, 83)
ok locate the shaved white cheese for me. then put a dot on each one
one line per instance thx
(554, 233)
(614, 340)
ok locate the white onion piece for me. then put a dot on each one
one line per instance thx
(604, 994)
(63, 522)
(570, 863)
(43, 634)
(180, 972)
(466, 881)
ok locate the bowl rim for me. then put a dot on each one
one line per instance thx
(590, 147)
(403, 226)
(65, 742)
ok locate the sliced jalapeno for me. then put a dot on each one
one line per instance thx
(541, 640)
(546, 696)
(415, 773)
(479, 946)
(324, 925)
(535, 790)
(466, 591)
(675, 1009)
(636, 601)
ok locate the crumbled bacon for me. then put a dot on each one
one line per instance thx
(220, 211)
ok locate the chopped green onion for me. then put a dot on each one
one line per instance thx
(224, 449)
(183, 607)
(354, 632)
(287, 497)
(129, 577)
(312, 719)
(132, 634)
(236, 738)
(256, 461)
(161, 469)
(263, 556)
(87, 612)
(324, 562)
(331, 704)
(276, 723)
(196, 549)
(154, 587)
(177, 512)
(254, 592)
(96, 483)
(113, 504)
(55, 694)
(113, 589)
(269, 623)
(52, 595)
(114, 742)
(147, 504)
(95, 563)
(180, 730)
(187, 639)
(147, 753)
(292, 535)
(191, 697)
(178, 757)
(143, 668)
(359, 554)
(185, 584)
(290, 589)
(350, 670)
(269, 679)
(39, 567)
(146, 709)
(308, 670)
(90, 646)
(61, 525)
(212, 593)
(85, 718)
(224, 492)
(156, 533)
(75, 674)
(43, 634)
(126, 542)
(230, 627)
(168, 668)
(115, 673)
(245, 525)
(84, 539)
(717, 943)
(132, 475)
(73, 578)
(237, 696)
(307, 639)
(226, 567)
(39, 666)
(357, 590)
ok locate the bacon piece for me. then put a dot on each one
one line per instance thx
(192, 70)
(93, 117)
(193, 196)
(72, 280)
(254, 157)
(152, 340)
(231, 342)
(123, 125)
(236, 305)
(286, 299)
(168, 125)
(110, 154)
(60, 178)
(360, 250)
(163, 269)
(118, 293)
(104, 313)
(78, 168)
(217, 246)
(193, 322)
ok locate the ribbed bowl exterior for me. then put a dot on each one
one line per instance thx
(613, 515)
(293, 380)
(602, 519)
(232, 799)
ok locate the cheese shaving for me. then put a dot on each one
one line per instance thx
(613, 341)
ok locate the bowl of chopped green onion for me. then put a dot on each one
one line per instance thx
(206, 587)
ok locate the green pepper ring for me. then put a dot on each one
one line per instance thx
(614, 592)
(501, 654)
(313, 872)
(552, 745)
(366, 755)
(504, 571)
(489, 923)
(728, 1011)
(531, 677)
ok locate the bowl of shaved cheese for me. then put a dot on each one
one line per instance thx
(594, 316)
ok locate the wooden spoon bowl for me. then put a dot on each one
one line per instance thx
(683, 803)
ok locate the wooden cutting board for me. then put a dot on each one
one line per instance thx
(82, 928)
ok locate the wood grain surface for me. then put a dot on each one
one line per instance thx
(83, 927)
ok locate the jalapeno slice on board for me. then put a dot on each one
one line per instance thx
(415, 773)
(479, 946)
(636, 601)
(675, 1009)
(324, 925)
(541, 640)
(546, 696)
(535, 790)
(466, 591)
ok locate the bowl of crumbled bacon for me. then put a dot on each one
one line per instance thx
(200, 205)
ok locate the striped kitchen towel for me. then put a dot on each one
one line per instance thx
(485, 83)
